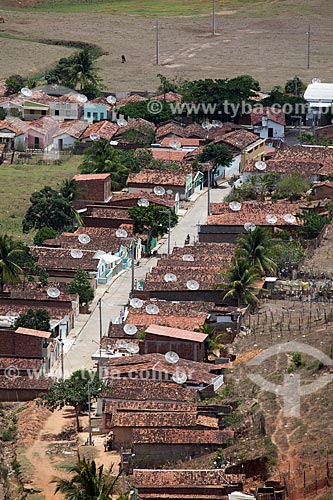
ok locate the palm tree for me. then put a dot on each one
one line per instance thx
(10, 251)
(212, 341)
(255, 247)
(89, 482)
(241, 278)
(69, 189)
(84, 72)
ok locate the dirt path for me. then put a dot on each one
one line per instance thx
(45, 470)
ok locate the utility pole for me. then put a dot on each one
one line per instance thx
(208, 192)
(133, 267)
(213, 20)
(100, 334)
(309, 45)
(62, 361)
(169, 233)
(157, 45)
(89, 412)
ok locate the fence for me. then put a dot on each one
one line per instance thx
(310, 481)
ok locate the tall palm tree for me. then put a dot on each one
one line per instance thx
(10, 252)
(255, 247)
(89, 482)
(241, 278)
(69, 189)
(84, 72)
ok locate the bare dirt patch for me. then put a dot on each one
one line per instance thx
(272, 49)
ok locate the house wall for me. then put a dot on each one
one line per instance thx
(68, 142)
(234, 168)
(186, 349)
(278, 130)
(122, 437)
(95, 189)
(95, 112)
(254, 151)
(156, 454)
(322, 192)
(63, 111)
(104, 221)
(182, 295)
(17, 395)
(35, 113)
(15, 344)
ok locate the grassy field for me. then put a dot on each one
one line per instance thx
(17, 182)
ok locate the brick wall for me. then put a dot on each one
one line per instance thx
(322, 192)
(17, 395)
(155, 455)
(185, 349)
(94, 189)
(15, 344)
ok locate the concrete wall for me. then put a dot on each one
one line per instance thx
(68, 142)
(278, 130)
(66, 111)
(153, 455)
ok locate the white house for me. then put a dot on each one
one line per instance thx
(268, 123)
(67, 134)
(319, 97)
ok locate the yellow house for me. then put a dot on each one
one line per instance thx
(245, 144)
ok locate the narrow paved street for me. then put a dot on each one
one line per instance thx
(83, 341)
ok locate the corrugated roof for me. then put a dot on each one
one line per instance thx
(319, 91)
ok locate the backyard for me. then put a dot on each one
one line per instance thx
(17, 182)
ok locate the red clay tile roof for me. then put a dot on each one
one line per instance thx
(31, 290)
(183, 478)
(138, 123)
(90, 177)
(57, 310)
(74, 128)
(273, 114)
(181, 436)
(170, 128)
(328, 184)
(129, 99)
(238, 139)
(195, 130)
(146, 406)
(167, 200)
(45, 124)
(286, 167)
(25, 383)
(20, 363)
(169, 97)
(61, 259)
(148, 390)
(101, 238)
(157, 178)
(104, 128)
(170, 155)
(33, 333)
(211, 422)
(185, 142)
(14, 124)
(153, 419)
(176, 333)
(320, 154)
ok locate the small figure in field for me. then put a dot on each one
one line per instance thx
(123, 59)
(2, 19)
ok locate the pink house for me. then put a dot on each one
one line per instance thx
(40, 133)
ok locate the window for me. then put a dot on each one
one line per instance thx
(36, 142)
(43, 112)
(88, 114)
(56, 112)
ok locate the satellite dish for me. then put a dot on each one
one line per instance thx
(84, 239)
(171, 357)
(152, 309)
(121, 122)
(188, 258)
(76, 254)
(179, 377)
(192, 285)
(169, 191)
(235, 206)
(130, 329)
(53, 292)
(121, 233)
(175, 144)
(170, 277)
(291, 219)
(260, 165)
(82, 98)
(121, 344)
(159, 190)
(12, 315)
(271, 219)
(111, 99)
(206, 125)
(142, 202)
(136, 303)
(217, 124)
(249, 226)
(26, 92)
(316, 80)
(95, 137)
(133, 348)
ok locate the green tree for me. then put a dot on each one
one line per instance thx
(140, 137)
(145, 110)
(287, 252)
(295, 86)
(14, 83)
(36, 320)
(89, 482)
(255, 247)
(69, 189)
(43, 275)
(72, 392)
(219, 154)
(315, 140)
(152, 220)
(292, 186)
(95, 157)
(44, 233)
(3, 114)
(312, 223)
(83, 70)
(10, 253)
(241, 278)
(167, 85)
(49, 209)
(81, 285)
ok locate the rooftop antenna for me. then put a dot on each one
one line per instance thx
(171, 357)
(121, 233)
(53, 292)
(179, 377)
(111, 99)
(84, 239)
(170, 277)
(142, 202)
(95, 137)
(76, 254)
(130, 329)
(152, 309)
(26, 92)
(159, 190)
(136, 303)
(192, 285)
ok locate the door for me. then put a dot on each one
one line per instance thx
(36, 143)
(60, 144)
(270, 132)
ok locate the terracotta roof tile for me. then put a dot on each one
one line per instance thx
(186, 478)
(238, 139)
(273, 114)
(185, 142)
(153, 419)
(157, 178)
(137, 124)
(20, 364)
(61, 259)
(167, 154)
(74, 128)
(147, 406)
(170, 128)
(104, 128)
(90, 177)
(148, 390)
(176, 333)
(181, 436)
(40, 383)
(101, 238)
(169, 97)
(33, 333)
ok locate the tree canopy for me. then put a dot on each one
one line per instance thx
(146, 110)
(241, 278)
(219, 154)
(49, 209)
(36, 320)
(292, 186)
(11, 252)
(71, 392)
(254, 247)
(81, 285)
(152, 220)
